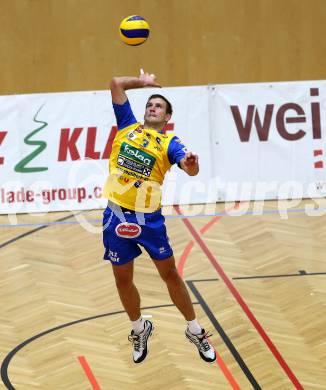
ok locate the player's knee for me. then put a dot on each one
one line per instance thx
(170, 276)
(123, 283)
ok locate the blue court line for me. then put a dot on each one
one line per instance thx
(223, 214)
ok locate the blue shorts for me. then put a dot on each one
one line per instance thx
(125, 230)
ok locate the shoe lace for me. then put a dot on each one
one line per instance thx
(138, 341)
(204, 344)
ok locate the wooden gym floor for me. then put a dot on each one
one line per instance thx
(258, 283)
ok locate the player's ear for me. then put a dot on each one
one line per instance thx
(168, 117)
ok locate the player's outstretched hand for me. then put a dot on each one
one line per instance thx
(148, 79)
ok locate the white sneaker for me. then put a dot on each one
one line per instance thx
(206, 351)
(140, 342)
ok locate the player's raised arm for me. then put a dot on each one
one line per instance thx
(190, 164)
(119, 85)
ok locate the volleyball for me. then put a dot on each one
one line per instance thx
(134, 30)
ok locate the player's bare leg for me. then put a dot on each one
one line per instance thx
(176, 287)
(181, 298)
(128, 292)
(130, 300)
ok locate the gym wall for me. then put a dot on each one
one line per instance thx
(73, 45)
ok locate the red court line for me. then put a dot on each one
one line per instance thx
(219, 360)
(184, 257)
(209, 224)
(226, 371)
(180, 266)
(190, 245)
(241, 301)
(88, 372)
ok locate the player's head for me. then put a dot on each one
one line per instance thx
(158, 111)
(168, 105)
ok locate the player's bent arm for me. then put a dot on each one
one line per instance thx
(119, 85)
(190, 164)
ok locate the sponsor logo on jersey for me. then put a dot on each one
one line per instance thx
(128, 230)
(131, 135)
(134, 133)
(145, 143)
(135, 160)
(136, 154)
(147, 172)
(134, 174)
(138, 130)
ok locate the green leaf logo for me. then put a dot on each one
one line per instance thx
(22, 165)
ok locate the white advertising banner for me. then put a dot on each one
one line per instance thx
(269, 140)
(255, 141)
(54, 147)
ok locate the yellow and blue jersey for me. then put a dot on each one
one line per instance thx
(138, 162)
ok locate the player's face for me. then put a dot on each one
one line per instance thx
(155, 113)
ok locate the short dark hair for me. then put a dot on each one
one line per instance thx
(168, 104)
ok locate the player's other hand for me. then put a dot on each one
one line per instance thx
(190, 163)
(149, 80)
(191, 159)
